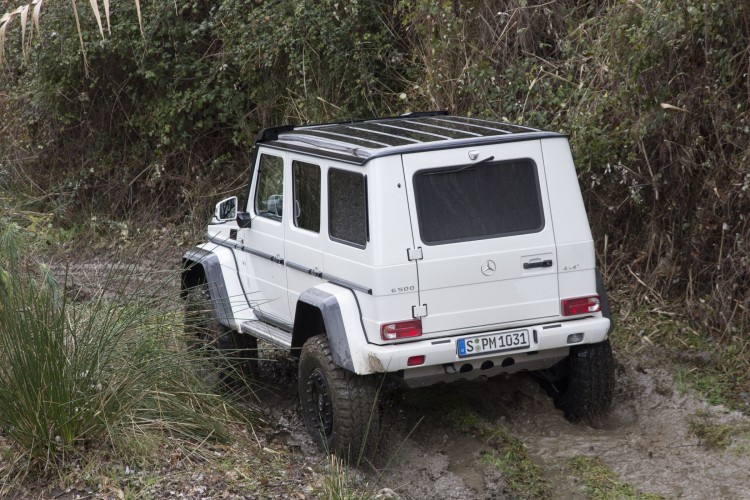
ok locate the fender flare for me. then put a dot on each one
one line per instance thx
(208, 262)
(341, 318)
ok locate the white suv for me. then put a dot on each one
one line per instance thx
(428, 247)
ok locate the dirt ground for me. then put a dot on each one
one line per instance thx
(646, 440)
(434, 449)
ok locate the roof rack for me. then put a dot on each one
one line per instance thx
(361, 140)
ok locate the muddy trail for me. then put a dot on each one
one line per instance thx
(446, 441)
(437, 445)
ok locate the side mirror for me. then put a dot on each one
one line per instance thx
(226, 210)
(243, 220)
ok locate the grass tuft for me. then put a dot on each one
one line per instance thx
(339, 483)
(711, 435)
(79, 375)
(525, 478)
(601, 482)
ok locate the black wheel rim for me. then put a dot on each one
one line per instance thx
(319, 400)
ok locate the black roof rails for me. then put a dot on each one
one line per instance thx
(360, 141)
(272, 133)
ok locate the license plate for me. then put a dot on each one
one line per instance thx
(496, 342)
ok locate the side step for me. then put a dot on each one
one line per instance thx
(267, 332)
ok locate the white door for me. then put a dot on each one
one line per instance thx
(485, 231)
(263, 271)
(302, 250)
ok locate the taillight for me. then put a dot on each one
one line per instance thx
(581, 305)
(401, 329)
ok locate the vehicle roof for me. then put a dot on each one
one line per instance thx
(361, 141)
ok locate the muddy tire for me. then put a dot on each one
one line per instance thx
(234, 353)
(339, 408)
(586, 390)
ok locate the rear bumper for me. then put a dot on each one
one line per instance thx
(550, 343)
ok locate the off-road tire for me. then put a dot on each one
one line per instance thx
(586, 392)
(339, 407)
(237, 352)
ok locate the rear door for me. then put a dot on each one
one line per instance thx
(485, 232)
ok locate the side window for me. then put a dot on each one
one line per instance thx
(306, 195)
(347, 207)
(269, 194)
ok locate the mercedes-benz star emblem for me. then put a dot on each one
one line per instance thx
(488, 267)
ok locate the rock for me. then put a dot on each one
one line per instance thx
(387, 494)
(703, 358)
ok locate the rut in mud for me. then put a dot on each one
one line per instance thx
(432, 451)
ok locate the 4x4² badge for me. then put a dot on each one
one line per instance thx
(488, 267)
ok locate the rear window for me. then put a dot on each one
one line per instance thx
(481, 201)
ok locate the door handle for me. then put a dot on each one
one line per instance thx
(540, 263)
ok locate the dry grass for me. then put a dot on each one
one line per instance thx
(35, 7)
(719, 370)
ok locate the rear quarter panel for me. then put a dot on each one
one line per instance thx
(576, 258)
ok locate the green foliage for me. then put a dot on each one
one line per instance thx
(523, 475)
(654, 95)
(74, 374)
(710, 434)
(602, 483)
(180, 105)
(310, 60)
